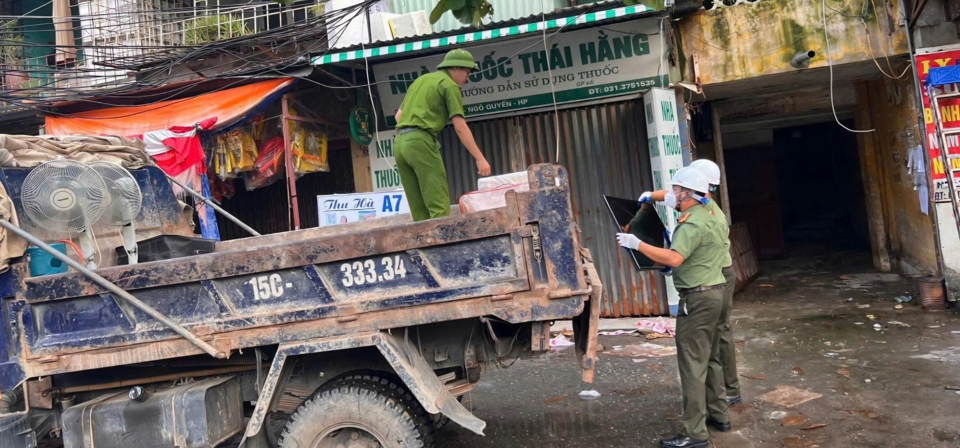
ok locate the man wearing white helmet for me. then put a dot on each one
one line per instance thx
(695, 255)
(728, 351)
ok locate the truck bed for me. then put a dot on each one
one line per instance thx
(520, 263)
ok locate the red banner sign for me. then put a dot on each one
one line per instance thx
(950, 114)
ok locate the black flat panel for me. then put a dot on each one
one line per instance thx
(644, 224)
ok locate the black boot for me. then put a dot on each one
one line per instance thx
(682, 441)
(718, 426)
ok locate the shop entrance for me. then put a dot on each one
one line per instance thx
(799, 190)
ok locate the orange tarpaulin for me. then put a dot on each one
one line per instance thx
(226, 106)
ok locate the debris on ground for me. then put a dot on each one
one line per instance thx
(754, 377)
(767, 285)
(789, 397)
(844, 373)
(868, 380)
(617, 333)
(877, 327)
(639, 360)
(871, 317)
(794, 420)
(898, 307)
(898, 323)
(956, 388)
(814, 426)
(560, 341)
(589, 395)
(798, 371)
(863, 306)
(646, 349)
(777, 415)
(904, 299)
(653, 336)
(553, 400)
(658, 325)
(831, 354)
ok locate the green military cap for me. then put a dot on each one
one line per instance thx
(459, 58)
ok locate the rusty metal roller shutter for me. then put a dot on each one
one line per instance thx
(604, 148)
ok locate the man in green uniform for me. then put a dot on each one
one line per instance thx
(728, 350)
(433, 100)
(695, 255)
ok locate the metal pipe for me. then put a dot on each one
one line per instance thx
(217, 208)
(288, 161)
(116, 290)
(802, 59)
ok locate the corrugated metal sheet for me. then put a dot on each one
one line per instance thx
(604, 148)
(744, 259)
(502, 10)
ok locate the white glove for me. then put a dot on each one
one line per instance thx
(645, 197)
(628, 241)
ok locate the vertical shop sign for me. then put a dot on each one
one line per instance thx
(927, 59)
(666, 156)
(383, 165)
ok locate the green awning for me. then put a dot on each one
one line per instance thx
(479, 36)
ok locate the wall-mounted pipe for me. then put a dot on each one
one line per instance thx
(802, 59)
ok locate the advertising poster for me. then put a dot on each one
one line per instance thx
(927, 59)
(344, 208)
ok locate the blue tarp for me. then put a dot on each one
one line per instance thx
(943, 75)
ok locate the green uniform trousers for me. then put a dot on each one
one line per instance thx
(422, 174)
(728, 349)
(701, 377)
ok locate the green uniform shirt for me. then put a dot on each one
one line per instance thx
(431, 101)
(699, 242)
(724, 231)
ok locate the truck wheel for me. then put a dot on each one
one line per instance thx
(359, 411)
(440, 420)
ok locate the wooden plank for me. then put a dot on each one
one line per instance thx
(718, 146)
(871, 182)
(362, 177)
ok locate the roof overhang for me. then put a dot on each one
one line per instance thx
(428, 43)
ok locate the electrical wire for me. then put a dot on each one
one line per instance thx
(833, 104)
(885, 55)
(553, 88)
(285, 34)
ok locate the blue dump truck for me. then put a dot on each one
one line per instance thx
(359, 335)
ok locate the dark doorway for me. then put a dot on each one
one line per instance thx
(802, 192)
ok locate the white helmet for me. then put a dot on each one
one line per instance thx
(691, 179)
(709, 169)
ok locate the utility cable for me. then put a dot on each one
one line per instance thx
(833, 104)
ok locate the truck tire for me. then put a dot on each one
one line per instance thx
(440, 420)
(359, 411)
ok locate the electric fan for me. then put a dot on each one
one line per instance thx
(65, 196)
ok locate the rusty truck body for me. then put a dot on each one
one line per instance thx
(358, 335)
